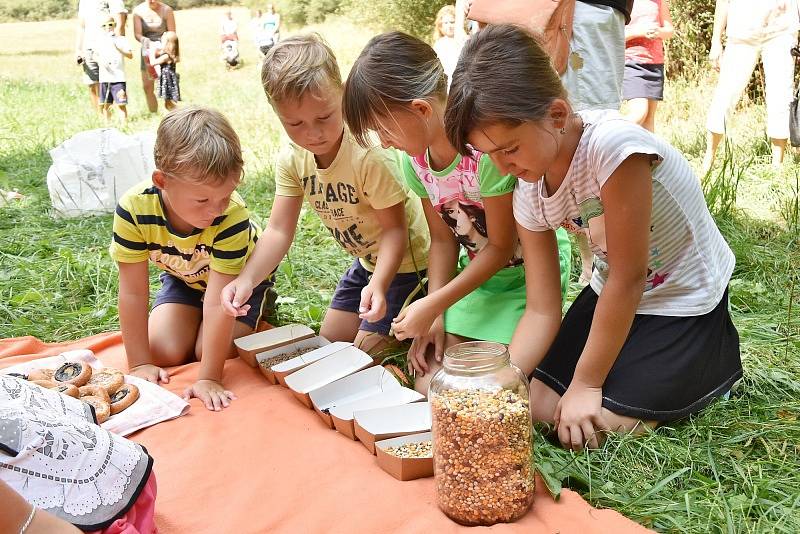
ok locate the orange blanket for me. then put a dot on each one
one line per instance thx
(268, 464)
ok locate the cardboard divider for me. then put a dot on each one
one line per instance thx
(284, 369)
(391, 422)
(330, 369)
(250, 345)
(315, 342)
(404, 468)
(342, 414)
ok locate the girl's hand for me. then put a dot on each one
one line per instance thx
(714, 55)
(418, 354)
(579, 417)
(151, 373)
(234, 297)
(416, 320)
(373, 304)
(211, 393)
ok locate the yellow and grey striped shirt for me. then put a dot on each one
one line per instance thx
(142, 232)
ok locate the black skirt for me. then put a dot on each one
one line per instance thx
(668, 368)
(642, 80)
(169, 87)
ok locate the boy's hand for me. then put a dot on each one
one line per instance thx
(234, 297)
(373, 304)
(151, 373)
(416, 320)
(579, 417)
(421, 346)
(211, 393)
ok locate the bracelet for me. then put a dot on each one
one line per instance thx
(28, 521)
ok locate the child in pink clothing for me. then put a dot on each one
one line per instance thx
(643, 82)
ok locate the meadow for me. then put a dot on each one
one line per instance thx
(733, 468)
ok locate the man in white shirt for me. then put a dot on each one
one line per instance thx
(91, 14)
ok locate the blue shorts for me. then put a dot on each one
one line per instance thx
(113, 93)
(175, 291)
(347, 296)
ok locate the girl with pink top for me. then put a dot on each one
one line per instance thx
(643, 83)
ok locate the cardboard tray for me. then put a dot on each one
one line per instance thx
(404, 468)
(342, 414)
(330, 369)
(314, 342)
(360, 385)
(392, 422)
(284, 369)
(250, 345)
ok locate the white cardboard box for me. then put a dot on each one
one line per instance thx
(392, 422)
(314, 342)
(284, 369)
(360, 385)
(404, 468)
(342, 414)
(250, 345)
(338, 365)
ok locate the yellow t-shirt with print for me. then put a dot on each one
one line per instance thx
(346, 194)
(142, 232)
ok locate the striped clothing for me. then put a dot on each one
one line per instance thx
(142, 232)
(689, 264)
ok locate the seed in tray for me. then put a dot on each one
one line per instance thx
(421, 449)
(280, 358)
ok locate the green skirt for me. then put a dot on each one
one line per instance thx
(491, 312)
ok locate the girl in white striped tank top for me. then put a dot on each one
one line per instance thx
(650, 339)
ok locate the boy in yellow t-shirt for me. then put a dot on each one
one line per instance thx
(356, 192)
(189, 222)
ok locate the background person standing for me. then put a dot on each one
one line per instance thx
(150, 20)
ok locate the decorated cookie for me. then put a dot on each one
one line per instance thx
(94, 391)
(102, 410)
(76, 373)
(109, 379)
(124, 397)
(40, 374)
(66, 389)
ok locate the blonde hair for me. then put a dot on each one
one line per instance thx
(503, 76)
(171, 46)
(196, 140)
(437, 25)
(299, 64)
(393, 69)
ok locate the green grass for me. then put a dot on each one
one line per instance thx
(733, 468)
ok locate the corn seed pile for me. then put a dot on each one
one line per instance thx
(482, 455)
(420, 449)
(280, 358)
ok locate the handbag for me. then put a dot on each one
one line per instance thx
(549, 20)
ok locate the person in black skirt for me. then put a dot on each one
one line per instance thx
(166, 57)
(643, 82)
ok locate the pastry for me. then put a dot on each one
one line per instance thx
(76, 373)
(94, 391)
(124, 397)
(66, 389)
(102, 410)
(40, 374)
(109, 379)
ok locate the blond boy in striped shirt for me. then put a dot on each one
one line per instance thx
(189, 222)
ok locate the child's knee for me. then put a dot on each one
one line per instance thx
(374, 343)
(543, 401)
(167, 353)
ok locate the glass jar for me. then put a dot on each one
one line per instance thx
(482, 449)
